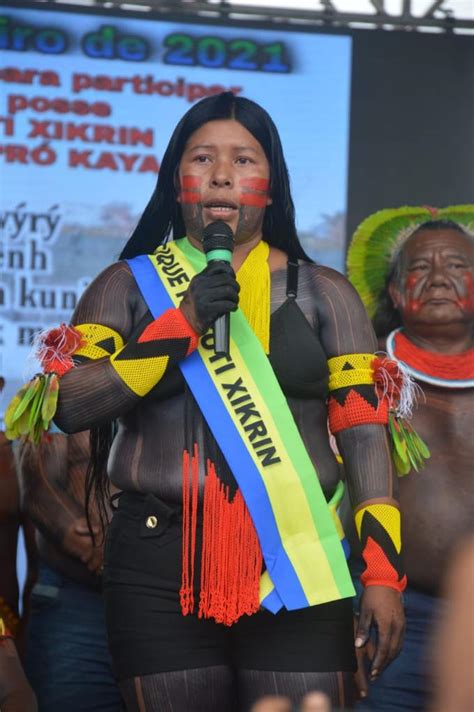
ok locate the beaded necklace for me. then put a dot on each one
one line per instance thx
(444, 370)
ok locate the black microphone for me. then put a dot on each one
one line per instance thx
(218, 246)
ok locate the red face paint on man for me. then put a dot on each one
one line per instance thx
(467, 303)
(436, 284)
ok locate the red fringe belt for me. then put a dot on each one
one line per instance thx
(231, 560)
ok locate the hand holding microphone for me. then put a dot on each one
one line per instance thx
(214, 292)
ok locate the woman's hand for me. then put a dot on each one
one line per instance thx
(363, 654)
(381, 607)
(211, 293)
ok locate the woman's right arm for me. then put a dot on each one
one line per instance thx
(91, 392)
(126, 352)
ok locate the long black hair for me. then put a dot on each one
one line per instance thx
(387, 316)
(162, 216)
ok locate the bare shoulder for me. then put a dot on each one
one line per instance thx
(112, 299)
(326, 277)
(345, 325)
(115, 277)
(277, 259)
(330, 285)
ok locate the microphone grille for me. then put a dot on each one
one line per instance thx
(218, 236)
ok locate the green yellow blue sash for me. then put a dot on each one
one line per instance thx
(248, 415)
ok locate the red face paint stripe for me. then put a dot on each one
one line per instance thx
(255, 183)
(413, 306)
(466, 298)
(188, 196)
(253, 199)
(412, 280)
(191, 182)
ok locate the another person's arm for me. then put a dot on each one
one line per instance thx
(15, 691)
(453, 649)
(47, 482)
(10, 521)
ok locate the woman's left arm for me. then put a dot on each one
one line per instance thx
(358, 419)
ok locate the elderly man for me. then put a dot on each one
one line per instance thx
(413, 267)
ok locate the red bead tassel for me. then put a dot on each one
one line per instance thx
(190, 504)
(231, 555)
(231, 562)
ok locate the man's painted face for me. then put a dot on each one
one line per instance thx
(224, 175)
(437, 284)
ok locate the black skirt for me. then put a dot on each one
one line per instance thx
(148, 634)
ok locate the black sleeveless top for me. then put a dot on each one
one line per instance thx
(296, 354)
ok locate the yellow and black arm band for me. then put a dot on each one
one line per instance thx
(378, 527)
(160, 344)
(353, 398)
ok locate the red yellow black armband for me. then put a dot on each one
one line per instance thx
(353, 397)
(142, 362)
(97, 341)
(378, 526)
(364, 389)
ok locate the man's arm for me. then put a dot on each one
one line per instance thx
(15, 691)
(453, 643)
(10, 520)
(53, 490)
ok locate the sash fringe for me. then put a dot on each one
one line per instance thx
(190, 502)
(231, 560)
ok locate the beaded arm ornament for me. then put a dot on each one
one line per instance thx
(366, 388)
(140, 364)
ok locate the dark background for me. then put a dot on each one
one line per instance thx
(412, 122)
